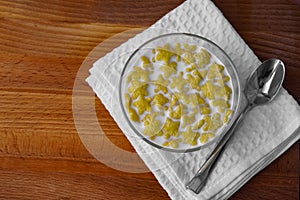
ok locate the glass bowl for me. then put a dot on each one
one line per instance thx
(159, 85)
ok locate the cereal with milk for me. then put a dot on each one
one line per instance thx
(179, 95)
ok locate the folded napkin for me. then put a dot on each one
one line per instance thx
(266, 132)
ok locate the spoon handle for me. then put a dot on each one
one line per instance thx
(199, 180)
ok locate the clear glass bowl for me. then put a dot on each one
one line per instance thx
(183, 38)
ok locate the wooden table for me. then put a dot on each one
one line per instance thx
(42, 46)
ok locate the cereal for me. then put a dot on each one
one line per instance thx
(178, 82)
(188, 58)
(167, 70)
(195, 99)
(140, 91)
(179, 95)
(198, 124)
(188, 119)
(226, 115)
(203, 58)
(174, 100)
(138, 74)
(190, 136)
(149, 118)
(172, 143)
(159, 100)
(205, 136)
(161, 84)
(201, 73)
(171, 127)
(194, 81)
(221, 104)
(146, 63)
(164, 53)
(132, 113)
(152, 125)
(142, 104)
(176, 114)
(204, 110)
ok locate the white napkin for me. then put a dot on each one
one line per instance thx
(267, 131)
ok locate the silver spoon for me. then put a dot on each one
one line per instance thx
(262, 86)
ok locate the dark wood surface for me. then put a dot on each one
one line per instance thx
(42, 46)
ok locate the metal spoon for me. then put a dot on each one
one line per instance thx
(262, 86)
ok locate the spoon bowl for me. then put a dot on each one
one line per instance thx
(265, 82)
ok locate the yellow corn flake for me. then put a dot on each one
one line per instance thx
(178, 52)
(176, 114)
(140, 91)
(188, 119)
(134, 84)
(226, 115)
(212, 123)
(161, 84)
(131, 112)
(179, 82)
(133, 115)
(188, 58)
(216, 122)
(221, 104)
(200, 73)
(207, 120)
(142, 104)
(208, 89)
(174, 100)
(194, 81)
(205, 136)
(228, 90)
(159, 88)
(221, 93)
(165, 144)
(153, 128)
(173, 65)
(203, 57)
(167, 70)
(183, 97)
(167, 135)
(200, 100)
(164, 54)
(184, 109)
(190, 136)
(149, 118)
(215, 71)
(170, 128)
(225, 79)
(174, 143)
(159, 100)
(195, 99)
(189, 48)
(191, 68)
(138, 74)
(146, 63)
(198, 124)
(204, 110)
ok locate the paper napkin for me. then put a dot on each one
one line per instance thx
(266, 132)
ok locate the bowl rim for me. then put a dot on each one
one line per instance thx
(227, 126)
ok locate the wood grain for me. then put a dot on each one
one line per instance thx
(42, 46)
